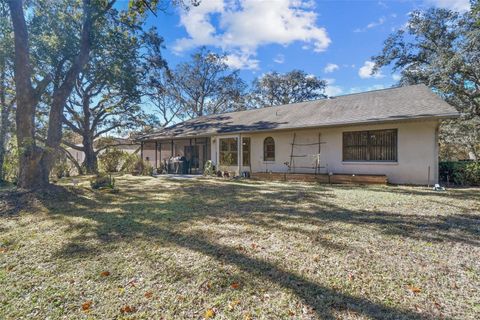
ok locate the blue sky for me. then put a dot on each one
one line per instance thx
(333, 40)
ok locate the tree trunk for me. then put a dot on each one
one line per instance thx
(90, 163)
(31, 173)
(4, 117)
(60, 96)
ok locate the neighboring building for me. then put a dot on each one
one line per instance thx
(126, 145)
(392, 132)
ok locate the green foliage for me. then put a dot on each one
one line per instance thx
(111, 160)
(276, 89)
(209, 168)
(460, 172)
(206, 85)
(133, 164)
(129, 162)
(439, 48)
(61, 168)
(103, 182)
(10, 165)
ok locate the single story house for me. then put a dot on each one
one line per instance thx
(391, 132)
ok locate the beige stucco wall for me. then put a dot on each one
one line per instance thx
(417, 152)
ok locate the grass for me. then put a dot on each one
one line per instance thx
(192, 249)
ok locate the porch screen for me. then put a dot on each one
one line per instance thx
(376, 145)
(246, 151)
(228, 152)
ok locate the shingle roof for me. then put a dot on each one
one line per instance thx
(395, 104)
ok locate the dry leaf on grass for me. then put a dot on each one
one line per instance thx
(233, 304)
(209, 313)
(105, 273)
(235, 285)
(86, 305)
(414, 289)
(148, 294)
(127, 309)
(3, 250)
(247, 317)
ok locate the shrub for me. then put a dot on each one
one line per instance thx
(103, 182)
(460, 172)
(472, 173)
(133, 164)
(209, 168)
(111, 160)
(129, 162)
(61, 168)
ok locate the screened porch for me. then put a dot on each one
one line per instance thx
(179, 156)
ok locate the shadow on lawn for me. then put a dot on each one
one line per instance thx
(159, 220)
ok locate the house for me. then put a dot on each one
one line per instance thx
(391, 132)
(125, 145)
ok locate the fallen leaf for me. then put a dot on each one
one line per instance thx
(254, 246)
(351, 276)
(105, 273)
(210, 313)
(235, 285)
(291, 313)
(127, 309)
(148, 294)
(3, 250)
(414, 289)
(233, 304)
(86, 305)
(133, 282)
(247, 317)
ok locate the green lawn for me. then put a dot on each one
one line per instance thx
(189, 249)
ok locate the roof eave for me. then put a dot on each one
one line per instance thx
(450, 115)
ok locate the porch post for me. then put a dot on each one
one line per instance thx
(172, 148)
(160, 150)
(141, 150)
(239, 153)
(156, 156)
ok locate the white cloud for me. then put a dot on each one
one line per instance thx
(332, 90)
(365, 71)
(242, 61)
(280, 58)
(457, 5)
(371, 25)
(245, 25)
(396, 77)
(330, 67)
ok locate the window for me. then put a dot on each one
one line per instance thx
(377, 145)
(268, 149)
(228, 152)
(246, 151)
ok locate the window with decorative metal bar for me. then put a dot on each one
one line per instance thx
(374, 145)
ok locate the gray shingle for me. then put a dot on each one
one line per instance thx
(395, 104)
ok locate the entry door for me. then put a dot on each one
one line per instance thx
(192, 155)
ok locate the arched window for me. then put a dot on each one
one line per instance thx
(269, 149)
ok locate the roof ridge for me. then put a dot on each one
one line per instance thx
(307, 101)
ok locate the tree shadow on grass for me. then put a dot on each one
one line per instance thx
(160, 220)
(324, 301)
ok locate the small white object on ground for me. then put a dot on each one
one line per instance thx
(437, 187)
